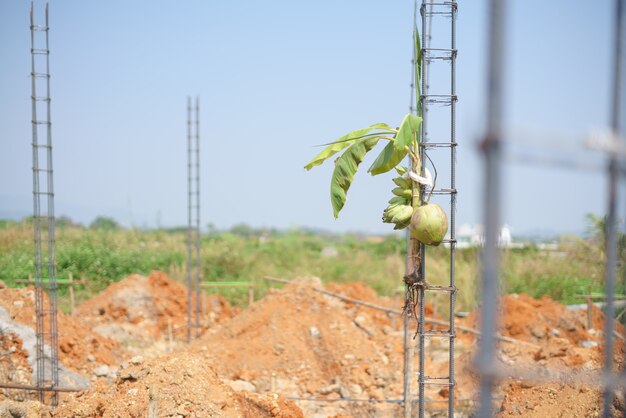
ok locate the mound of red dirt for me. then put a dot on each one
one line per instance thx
(298, 326)
(533, 320)
(560, 336)
(303, 343)
(176, 385)
(555, 339)
(14, 366)
(139, 310)
(80, 349)
(296, 332)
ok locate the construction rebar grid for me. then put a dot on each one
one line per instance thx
(47, 345)
(433, 13)
(608, 381)
(193, 217)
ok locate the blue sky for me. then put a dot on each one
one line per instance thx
(276, 78)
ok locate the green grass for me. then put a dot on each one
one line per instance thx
(106, 256)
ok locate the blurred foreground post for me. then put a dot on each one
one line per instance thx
(491, 147)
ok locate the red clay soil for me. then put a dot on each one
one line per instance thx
(532, 319)
(298, 342)
(557, 335)
(173, 386)
(146, 308)
(550, 400)
(275, 336)
(296, 333)
(76, 341)
(14, 367)
(302, 343)
(555, 330)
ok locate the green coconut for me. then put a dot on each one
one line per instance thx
(429, 224)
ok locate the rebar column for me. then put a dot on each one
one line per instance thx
(409, 344)
(44, 261)
(412, 249)
(197, 226)
(444, 96)
(492, 152)
(189, 221)
(426, 27)
(193, 219)
(453, 194)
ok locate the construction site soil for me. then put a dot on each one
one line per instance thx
(296, 352)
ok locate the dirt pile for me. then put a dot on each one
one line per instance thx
(536, 320)
(80, 349)
(557, 340)
(23, 409)
(180, 385)
(139, 310)
(302, 343)
(306, 344)
(551, 334)
(14, 366)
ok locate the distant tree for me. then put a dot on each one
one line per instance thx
(596, 228)
(104, 223)
(28, 219)
(212, 229)
(5, 223)
(243, 230)
(65, 221)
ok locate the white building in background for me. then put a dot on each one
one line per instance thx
(469, 235)
(505, 240)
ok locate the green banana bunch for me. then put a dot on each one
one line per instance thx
(401, 170)
(402, 183)
(406, 193)
(399, 211)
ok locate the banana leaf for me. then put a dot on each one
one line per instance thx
(345, 141)
(345, 169)
(388, 158)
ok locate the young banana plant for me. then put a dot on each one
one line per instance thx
(405, 207)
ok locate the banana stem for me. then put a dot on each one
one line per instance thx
(414, 262)
(416, 167)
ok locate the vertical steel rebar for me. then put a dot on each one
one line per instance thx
(421, 250)
(453, 195)
(611, 220)
(409, 347)
(429, 10)
(197, 229)
(46, 308)
(492, 150)
(193, 218)
(36, 216)
(52, 291)
(189, 221)
(411, 249)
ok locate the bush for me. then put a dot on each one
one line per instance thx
(104, 223)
